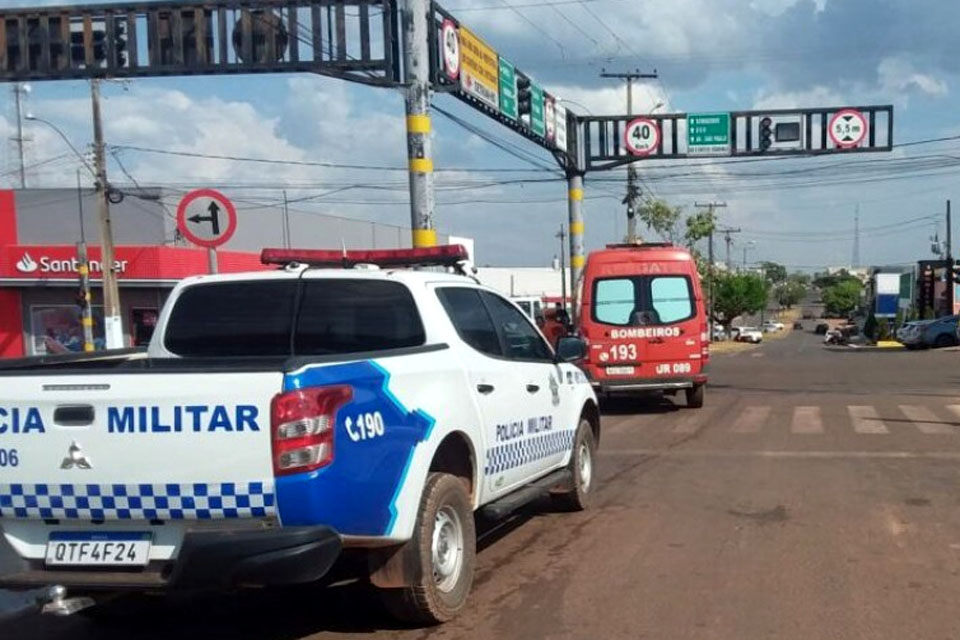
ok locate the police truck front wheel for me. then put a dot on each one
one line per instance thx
(695, 396)
(443, 553)
(582, 469)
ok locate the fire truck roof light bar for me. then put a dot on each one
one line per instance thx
(442, 256)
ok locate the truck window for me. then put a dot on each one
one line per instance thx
(521, 339)
(251, 318)
(348, 316)
(643, 300)
(613, 301)
(670, 298)
(256, 318)
(471, 319)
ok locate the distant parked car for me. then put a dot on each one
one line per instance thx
(749, 334)
(771, 326)
(798, 326)
(718, 333)
(907, 330)
(925, 334)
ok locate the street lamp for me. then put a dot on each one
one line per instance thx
(752, 244)
(32, 118)
(578, 104)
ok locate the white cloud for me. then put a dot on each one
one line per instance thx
(815, 97)
(606, 100)
(899, 75)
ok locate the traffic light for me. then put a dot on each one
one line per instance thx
(268, 37)
(120, 42)
(99, 43)
(524, 95)
(766, 134)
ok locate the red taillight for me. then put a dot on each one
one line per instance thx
(302, 426)
(705, 340)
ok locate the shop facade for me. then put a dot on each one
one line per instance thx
(39, 288)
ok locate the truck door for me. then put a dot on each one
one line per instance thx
(672, 300)
(493, 385)
(548, 428)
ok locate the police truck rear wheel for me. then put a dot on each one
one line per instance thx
(444, 552)
(695, 396)
(582, 466)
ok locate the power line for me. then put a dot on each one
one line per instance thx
(514, 150)
(306, 163)
(563, 52)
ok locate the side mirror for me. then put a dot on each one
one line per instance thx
(571, 349)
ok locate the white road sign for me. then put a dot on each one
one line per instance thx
(848, 128)
(451, 49)
(642, 136)
(560, 116)
(549, 115)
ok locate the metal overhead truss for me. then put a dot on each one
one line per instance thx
(442, 84)
(604, 136)
(351, 39)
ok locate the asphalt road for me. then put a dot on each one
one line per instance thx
(813, 497)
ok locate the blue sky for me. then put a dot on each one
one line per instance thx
(711, 55)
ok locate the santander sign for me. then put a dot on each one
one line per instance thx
(45, 264)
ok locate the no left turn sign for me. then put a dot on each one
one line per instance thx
(206, 218)
(451, 49)
(642, 136)
(848, 128)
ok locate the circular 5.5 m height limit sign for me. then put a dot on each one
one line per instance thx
(848, 128)
(642, 136)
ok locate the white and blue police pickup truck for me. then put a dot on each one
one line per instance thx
(280, 417)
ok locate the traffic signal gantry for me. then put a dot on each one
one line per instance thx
(419, 46)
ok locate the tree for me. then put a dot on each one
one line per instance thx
(737, 294)
(843, 297)
(801, 278)
(790, 293)
(824, 281)
(699, 226)
(662, 219)
(773, 272)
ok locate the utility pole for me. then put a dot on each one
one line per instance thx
(949, 243)
(286, 222)
(575, 211)
(85, 299)
(727, 238)
(416, 59)
(711, 207)
(856, 237)
(632, 199)
(19, 90)
(562, 234)
(112, 321)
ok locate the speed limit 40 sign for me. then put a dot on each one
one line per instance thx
(642, 136)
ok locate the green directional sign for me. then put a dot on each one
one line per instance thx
(708, 134)
(537, 122)
(508, 89)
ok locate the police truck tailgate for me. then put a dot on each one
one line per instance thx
(102, 455)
